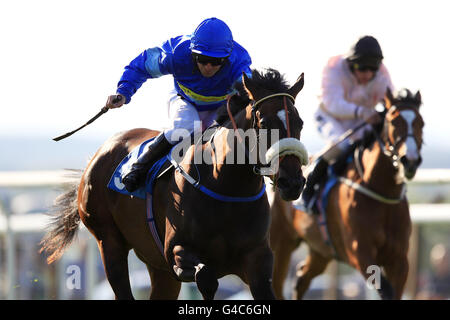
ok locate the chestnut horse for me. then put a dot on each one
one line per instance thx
(204, 238)
(367, 214)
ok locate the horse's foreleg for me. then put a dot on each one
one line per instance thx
(164, 285)
(184, 263)
(258, 273)
(396, 274)
(314, 265)
(206, 280)
(364, 261)
(282, 257)
(188, 267)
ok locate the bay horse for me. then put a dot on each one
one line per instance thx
(204, 238)
(367, 220)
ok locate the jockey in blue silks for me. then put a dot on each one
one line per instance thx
(204, 67)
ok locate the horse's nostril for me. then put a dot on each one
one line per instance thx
(410, 164)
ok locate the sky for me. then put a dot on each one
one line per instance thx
(61, 59)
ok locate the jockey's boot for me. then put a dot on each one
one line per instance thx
(312, 182)
(137, 173)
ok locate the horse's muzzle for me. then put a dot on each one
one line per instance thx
(410, 166)
(290, 188)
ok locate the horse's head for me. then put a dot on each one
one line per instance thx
(403, 129)
(278, 124)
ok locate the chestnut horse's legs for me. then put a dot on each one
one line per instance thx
(314, 265)
(365, 258)
(188, 267)
(282, 257)
(164, 285)
(258, 273)
(396, 274)
(206, 280)
(114, 253)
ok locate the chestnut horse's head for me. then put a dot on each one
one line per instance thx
(403, 129)
(278, 126)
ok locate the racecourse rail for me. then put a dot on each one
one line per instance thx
(12, 224)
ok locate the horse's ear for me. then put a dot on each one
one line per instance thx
(298, 86)
(388, 98)
(418, 98)
(247, 85)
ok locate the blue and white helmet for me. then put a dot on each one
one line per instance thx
(212, 38)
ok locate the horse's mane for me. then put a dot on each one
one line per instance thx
(270, 80)
(406, 97)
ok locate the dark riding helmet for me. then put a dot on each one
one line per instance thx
(365, 52)
(212, 38)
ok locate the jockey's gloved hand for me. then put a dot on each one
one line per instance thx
(115, 101)
(369, 115)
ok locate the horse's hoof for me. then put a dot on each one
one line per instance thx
(185, 275)
(206, 281)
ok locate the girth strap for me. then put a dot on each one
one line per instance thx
(373, 194)
(211, 193)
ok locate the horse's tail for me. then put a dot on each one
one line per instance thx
(65, 221)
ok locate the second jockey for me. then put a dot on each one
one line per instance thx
(352, 85)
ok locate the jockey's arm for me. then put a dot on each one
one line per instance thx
(333, 99)
(146, 65)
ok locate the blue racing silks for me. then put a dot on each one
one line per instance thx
(174, 57)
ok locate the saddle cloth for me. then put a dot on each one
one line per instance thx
(115, 183)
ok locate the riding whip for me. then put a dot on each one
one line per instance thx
(344, 136)
(102, 111)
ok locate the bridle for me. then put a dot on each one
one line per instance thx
(255, 107)
(390, 148)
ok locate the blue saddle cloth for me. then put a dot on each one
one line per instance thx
(332, 179)
(115, 183)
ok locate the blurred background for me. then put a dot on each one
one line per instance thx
(60, 60)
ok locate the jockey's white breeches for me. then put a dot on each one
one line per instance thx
(184, 119)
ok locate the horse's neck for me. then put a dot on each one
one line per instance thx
(380, 175)
(223, 170)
